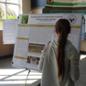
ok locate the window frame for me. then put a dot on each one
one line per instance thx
(10, 3)
(19, 4)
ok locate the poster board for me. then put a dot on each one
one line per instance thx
(32, 37)
(9, 31)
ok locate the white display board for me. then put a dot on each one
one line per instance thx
(39, 31)
(9, 31)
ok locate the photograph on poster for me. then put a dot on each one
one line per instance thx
(33, 60)
(23, 19)
(35, 47)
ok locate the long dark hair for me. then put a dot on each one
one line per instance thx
(62, 27)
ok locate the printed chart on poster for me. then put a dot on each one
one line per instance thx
(33, 36)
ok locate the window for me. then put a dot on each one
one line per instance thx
(12, 11)
(9, 9)
(13, 1)
(2, 0)
(2, 11)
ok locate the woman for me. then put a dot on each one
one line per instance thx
(60, 60)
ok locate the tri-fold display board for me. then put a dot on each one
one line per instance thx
(36, 33)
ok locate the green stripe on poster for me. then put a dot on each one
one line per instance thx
(41, 25)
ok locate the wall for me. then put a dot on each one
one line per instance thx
(26, 6)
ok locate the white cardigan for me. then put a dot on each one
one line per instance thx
(48, 66)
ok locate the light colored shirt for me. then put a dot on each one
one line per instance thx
(49, 68)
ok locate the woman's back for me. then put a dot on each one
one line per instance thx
(60, 61)
(48, 65)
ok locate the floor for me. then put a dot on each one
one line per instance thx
(10, 76)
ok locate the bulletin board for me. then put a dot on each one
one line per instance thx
(33, 36)
(9, 31)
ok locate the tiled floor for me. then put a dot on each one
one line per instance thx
(10, 76)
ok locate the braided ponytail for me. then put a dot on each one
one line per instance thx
(63, 28)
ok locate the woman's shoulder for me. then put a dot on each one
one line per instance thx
(70, 45)
(53, 44)
(71, 51)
